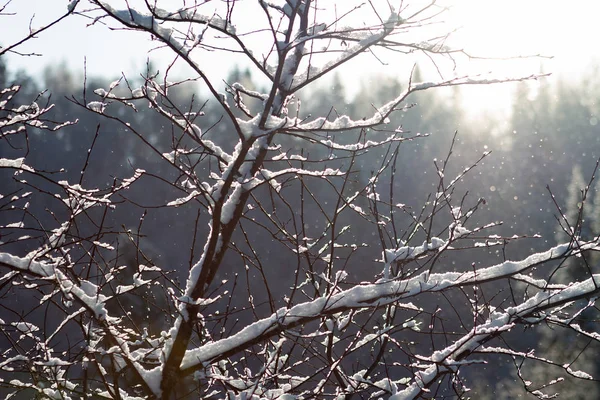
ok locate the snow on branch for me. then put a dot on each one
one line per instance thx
(16, 119)
(379, 294)
(192, 15)
(446, 360)
(368, 40)
(344, 122)
(89, 296)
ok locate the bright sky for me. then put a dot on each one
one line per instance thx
(564, 30)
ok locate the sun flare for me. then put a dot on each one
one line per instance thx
(520, 38)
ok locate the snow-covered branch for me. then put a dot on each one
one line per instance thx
(388, 292)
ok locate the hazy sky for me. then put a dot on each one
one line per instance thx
(564, 30)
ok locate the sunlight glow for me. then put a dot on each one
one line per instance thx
(516, 32)
(506, 32)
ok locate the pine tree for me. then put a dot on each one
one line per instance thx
(571, 220)
(595, 217)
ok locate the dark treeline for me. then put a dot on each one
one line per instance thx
(552, 138)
